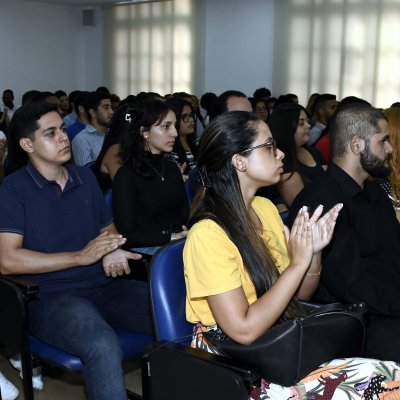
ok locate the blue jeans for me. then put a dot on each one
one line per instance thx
(79, 322)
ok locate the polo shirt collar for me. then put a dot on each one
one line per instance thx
(73, 176)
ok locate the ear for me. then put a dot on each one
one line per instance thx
(239, 162)
(144, 133)
(26, 144)
(357, 145)
(92, 113)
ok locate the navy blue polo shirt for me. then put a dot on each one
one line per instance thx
(51, 221)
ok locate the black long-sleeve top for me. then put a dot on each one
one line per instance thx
(145, 210)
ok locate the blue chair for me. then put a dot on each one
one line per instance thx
(14, 334)
(172, 370)
(108, 200)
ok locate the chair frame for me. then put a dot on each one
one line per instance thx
(184, 366)
(15, 294)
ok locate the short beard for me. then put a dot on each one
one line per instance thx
(373, 165)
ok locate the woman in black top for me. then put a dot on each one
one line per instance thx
(185, 148)
(149, 198)
(291, 130)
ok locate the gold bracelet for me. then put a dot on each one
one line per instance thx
(315, 273)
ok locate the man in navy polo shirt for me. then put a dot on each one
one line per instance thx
(56, 230)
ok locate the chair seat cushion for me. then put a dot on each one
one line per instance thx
(132, 344)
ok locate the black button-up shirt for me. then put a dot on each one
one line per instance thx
(362, 262)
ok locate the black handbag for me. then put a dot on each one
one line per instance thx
(288, 352)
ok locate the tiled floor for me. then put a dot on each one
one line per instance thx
(62, 385)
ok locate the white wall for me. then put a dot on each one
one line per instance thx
(238, 45)
(45, 47)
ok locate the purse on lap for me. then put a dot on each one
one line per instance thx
(288, 352)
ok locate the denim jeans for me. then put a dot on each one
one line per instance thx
(79, 322)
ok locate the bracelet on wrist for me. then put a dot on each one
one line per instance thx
(314, 273)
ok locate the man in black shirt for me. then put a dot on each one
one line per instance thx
(362, 262)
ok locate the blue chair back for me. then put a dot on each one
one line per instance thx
(108, 200)
(168, 293)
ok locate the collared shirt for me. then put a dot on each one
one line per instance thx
(86, 145)
(315, 133)
(362, 262)
(70, 118)
(52, 220)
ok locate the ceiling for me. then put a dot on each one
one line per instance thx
(82, 3)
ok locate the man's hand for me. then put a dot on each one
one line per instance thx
(116, 263)
(99, 247)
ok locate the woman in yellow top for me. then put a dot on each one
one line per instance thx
(243, 268)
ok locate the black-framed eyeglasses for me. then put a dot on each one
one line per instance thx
(187, 117)
(271, 143)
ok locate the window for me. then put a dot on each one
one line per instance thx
(151, 47)
(344, 47)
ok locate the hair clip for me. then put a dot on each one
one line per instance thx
(204, 179)
(128, 118)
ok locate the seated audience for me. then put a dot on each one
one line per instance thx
(322, 111)
(109, 161)
(362, 262)
(323, 143)
(291, 130)
(185, 148)
(230, 100)
(64, 102)
(244, 270)
(56, 231)
(260, 108)
(87, 144)
(82, 118)
(391, 183)
(149, 198)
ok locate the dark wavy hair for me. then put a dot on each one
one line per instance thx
(143, 116)
(221, 199)
(283, 124)
(177, 105)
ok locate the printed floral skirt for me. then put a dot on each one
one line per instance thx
(341, 379)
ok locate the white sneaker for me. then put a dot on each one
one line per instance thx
(37, 381)
(7, 389)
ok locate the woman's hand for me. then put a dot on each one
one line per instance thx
(183, 233)
(322, 228)
(300, 241)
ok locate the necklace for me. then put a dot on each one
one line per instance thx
(162, 172)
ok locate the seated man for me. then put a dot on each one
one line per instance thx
(362, 262)
(56, 230)
(86, 145)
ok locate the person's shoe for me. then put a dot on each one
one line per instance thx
(7, 389)
(37, 381)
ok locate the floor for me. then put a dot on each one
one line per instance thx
(63, 385)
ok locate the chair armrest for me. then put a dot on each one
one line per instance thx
(190, 373)
(29, 290)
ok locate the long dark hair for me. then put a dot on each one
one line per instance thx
(283, 124)
(221, 198)
(133, 146)
(177, 105)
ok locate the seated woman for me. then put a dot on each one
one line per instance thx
(260, 108)
(108, 161)
(149, 198)
(185, 149)
(244, 270)
(289, 125)
(391, 183)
